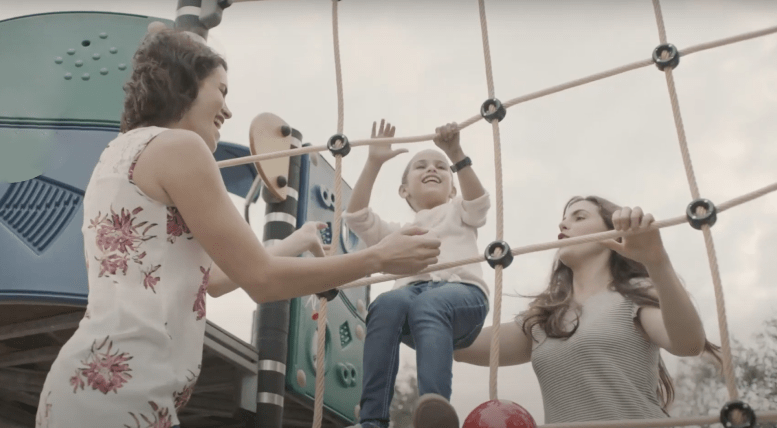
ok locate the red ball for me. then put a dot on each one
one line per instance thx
(499, 414)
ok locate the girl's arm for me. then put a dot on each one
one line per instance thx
(378, 154)
(514, 347)
(448, 140)
(676, 326)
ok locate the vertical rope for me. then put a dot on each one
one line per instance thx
(728, 367)
(494, 354)
(338, 72)
(486, 48)
(318, 405)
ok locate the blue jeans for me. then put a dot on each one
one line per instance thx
(434, 318)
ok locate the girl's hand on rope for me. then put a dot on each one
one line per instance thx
(311, 238)
(447, 139)
(380, 153)
(407, 251)
(646, 247)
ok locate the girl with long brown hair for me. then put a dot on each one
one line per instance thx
(594, 335)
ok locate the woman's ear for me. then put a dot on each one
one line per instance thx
(453, 192)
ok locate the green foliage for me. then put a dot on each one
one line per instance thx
(701, 388)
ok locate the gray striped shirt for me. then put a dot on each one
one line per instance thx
(606, 370)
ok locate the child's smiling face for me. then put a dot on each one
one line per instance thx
(428, 181)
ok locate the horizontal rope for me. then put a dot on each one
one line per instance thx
(650, 423)
(508, 104)
(601, 236)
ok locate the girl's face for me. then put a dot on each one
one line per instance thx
(429, 181)
(581, 218)
(209, 110)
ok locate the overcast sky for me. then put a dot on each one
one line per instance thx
(420, 65)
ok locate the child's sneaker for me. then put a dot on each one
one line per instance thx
(434, 411)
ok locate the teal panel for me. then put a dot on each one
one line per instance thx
(344, 347)
(343, 360)
(67, 67)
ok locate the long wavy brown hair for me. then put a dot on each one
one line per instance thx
(167, 70)
(549, 307)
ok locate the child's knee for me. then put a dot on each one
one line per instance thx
(391, 302)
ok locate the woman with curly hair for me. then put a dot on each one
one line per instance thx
(593, 336)
(160, 231)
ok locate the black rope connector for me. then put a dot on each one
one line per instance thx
(671, 61)
(747, 411)
(342, 150)
(697, 221)
(504, 259)
(329, 295)
(499, 112)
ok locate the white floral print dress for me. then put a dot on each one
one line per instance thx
(136, 354)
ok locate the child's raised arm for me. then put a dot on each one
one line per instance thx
(447, 139)
(378, 154)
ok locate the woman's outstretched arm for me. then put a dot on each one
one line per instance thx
(183, 165)
(514, 347)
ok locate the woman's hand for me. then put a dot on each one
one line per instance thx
(407, 251)
(380, 153)
(645, 247)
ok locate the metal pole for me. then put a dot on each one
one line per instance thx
(187, 17)
(272, 334)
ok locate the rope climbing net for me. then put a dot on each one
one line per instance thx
(701, 214)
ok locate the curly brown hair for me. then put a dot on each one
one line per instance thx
(629, 278)
(167, 70)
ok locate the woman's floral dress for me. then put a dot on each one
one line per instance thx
(136, 354)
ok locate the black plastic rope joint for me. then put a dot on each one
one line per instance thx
(499, 112)
(747, 411)
(342, 149)
(697, 221)
(504, 258)
(329, 295)
(671, 61)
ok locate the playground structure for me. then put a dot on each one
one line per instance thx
(701, 214)
(68, 98)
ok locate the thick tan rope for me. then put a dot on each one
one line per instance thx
(612, 234)
(650, 423)
(508, 104)
(494, 355)
(318, 405)
(728, 366)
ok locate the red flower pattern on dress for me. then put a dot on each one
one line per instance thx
(199, 302)
(149, 280)
(42, 419)
(181, 398)
(112, 264)
(104, 371)
(119, 238)
(176, 226)
(162, 418)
